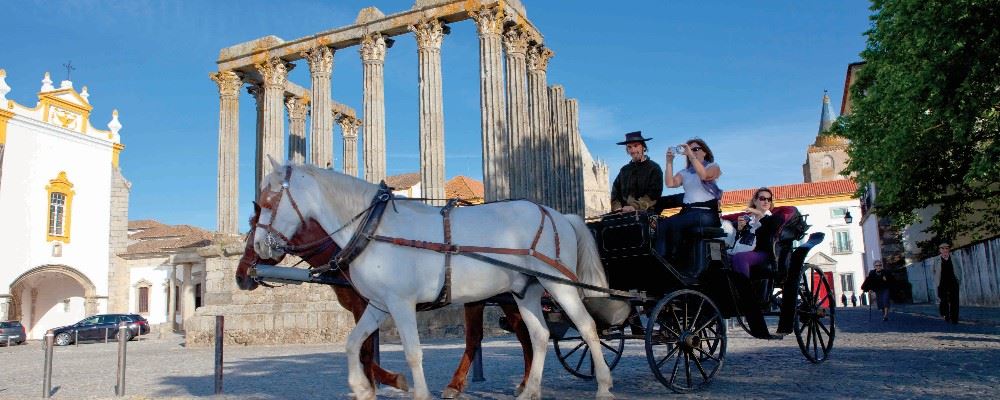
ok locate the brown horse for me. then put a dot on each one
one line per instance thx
(313, 234)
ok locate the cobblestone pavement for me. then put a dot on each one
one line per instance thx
(910, 356)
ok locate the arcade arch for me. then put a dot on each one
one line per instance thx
(51, 295)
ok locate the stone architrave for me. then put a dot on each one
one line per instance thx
(227, 197)
(429, 34)
(515, 41)
(489, 22)
(575, 190)
(320, 61)
(349, 127)
(538, 108)
(557, 110)
(297, 108)
(373, 49)
(257, 91)
(275, 73)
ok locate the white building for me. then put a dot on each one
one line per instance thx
(63, 207)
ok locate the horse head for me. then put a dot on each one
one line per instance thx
(280, 217)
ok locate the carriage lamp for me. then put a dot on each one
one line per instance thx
(848, 218)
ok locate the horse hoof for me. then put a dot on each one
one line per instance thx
(450, 393)
(401, 383)
(605, 396)
(519, 389)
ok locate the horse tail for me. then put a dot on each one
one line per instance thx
(589, 269)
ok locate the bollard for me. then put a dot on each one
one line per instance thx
(105, 335)
(122, 336)
(76, 338)
(477, 365)
(220, 322)
(48, 344)
(375, 353)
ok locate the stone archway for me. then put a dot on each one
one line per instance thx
(51, 295)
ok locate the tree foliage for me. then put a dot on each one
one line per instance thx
(926, 113)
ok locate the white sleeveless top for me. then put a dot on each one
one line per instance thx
(694, 191)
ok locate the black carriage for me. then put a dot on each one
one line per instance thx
(683, 306)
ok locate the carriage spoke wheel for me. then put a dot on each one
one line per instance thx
(574, 353)
(685, 341)
(815, 309)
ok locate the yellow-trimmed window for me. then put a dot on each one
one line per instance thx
(60, 210)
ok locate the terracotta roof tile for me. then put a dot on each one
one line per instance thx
(464, 188)
(144, 224)
(164, 238)
(403, 181)
(793, 191)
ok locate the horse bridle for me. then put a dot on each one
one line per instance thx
(271, 200)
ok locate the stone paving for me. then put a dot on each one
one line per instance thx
(910, 356)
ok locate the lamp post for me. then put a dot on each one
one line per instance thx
(848, 218)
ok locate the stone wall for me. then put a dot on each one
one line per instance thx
(118, 271)
(977, 267)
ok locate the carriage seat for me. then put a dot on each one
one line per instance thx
(705, 232)
(791, 228)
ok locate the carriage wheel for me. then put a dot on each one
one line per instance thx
(814, 323)
(685, 341)
(574, 354)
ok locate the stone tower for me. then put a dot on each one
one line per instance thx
(827, 156)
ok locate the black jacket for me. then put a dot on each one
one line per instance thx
(638, 184)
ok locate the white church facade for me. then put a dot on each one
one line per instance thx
(63, 207)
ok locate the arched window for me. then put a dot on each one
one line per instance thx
(60, 198)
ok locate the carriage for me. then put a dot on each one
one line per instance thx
(684, 306)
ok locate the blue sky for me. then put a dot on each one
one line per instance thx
(747, 77)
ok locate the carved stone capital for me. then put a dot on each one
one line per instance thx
(538, 58)
(429, 34)
(515, 40)
(274, 71)
(229, 83)
(349, 125)
(320, 60)
(489, 20)
(297, 108)
(373, 48)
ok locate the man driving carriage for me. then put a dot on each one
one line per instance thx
(640, 182)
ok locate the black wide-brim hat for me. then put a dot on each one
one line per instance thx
(633, 137)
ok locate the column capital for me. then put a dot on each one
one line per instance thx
(538, 58)
(429, 33)
(515, 41)
(257, 91)
(229, 83)
(297, 108)
(489, 20)
(349, 125)
(274, 71)
(373, 48)
(320, 60)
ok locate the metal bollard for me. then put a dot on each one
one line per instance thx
(105, 335)
(48, 344)
(375, 353)
(76, 338)
(220, 322)
(122, 336)
(477, 365)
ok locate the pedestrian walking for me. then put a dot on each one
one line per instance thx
(879, 281)
(843, 299)
(854, 299)
(946, 277)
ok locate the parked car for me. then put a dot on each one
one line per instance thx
(100, 327)
(12, 332)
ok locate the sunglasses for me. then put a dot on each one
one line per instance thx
(762, 198)
(696, 148)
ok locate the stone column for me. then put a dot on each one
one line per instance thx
(373, 49)
(257, 92)
(557, 110)
(429, 34)
(538, 108)
(515, 42)
(187, 291)
(321, 131)
(227, 197)
(171, 298)
(489, 21)
(349, 127)
(575, 188)
(275, 73)
(297, 108)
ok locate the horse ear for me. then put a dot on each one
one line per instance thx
(274, 164)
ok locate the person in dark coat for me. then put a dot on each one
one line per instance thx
(639, 183)
(879, 281)
(761, 227)
(945, 275)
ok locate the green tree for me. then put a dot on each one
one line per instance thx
(926, 114)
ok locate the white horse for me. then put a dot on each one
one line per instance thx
(395, 278)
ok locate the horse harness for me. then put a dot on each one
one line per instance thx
(372, 216)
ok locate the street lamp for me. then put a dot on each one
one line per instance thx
(848, 218)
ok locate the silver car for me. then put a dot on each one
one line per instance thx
(11, 332)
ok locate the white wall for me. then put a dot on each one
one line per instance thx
(849, 262)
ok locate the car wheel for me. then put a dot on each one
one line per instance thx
(63, 339)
